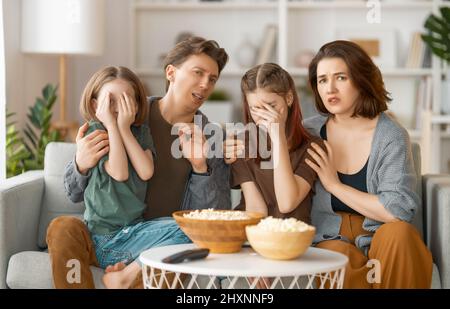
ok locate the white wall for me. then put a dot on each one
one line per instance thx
(116, 52)
(27, 74)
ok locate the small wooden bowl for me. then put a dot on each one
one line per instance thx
(279, 245)
(219, 236)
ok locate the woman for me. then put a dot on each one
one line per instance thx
(365, 198)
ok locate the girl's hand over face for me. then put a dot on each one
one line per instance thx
(271, 119)
(127, 108)
(103, 112)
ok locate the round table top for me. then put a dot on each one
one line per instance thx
(246, 263)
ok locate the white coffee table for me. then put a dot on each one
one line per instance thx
(317, 268)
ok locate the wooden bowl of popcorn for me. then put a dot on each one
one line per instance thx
(280, 239)
(221, 231)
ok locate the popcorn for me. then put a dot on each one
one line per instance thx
(271, 224)
(211, 214)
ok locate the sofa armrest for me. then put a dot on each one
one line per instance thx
(436, 201)
(20, 207)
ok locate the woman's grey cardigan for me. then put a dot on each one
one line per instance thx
(390, 176)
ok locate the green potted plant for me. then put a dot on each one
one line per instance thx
(16, 153)
(23, 154)
(438, 36)
(37, 130)
(219, 95)
(438, 40)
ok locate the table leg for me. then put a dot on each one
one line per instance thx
(161, 279)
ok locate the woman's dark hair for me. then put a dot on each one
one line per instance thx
(273, 78)
(364, 75)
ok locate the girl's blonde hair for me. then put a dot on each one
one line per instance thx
(106, 75)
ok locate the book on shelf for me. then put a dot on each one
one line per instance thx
(419, 55)
(268, 44)
(423, 99)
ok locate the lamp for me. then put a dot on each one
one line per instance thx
(63, 27)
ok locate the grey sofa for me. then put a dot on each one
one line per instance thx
(28, 203)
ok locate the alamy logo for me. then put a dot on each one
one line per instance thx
(374, 14)
(191, 142)
(73, 12)
(74, 274)
(374, 274)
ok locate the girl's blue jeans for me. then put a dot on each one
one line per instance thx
(126, 244)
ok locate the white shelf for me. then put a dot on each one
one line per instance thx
(416, 134)
(321, 5)
(441, 119)
(443, 3)
(394, 72)
(404, 72)
(298, 71)
(241, 5)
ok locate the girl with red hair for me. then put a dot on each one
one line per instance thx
(281, 189)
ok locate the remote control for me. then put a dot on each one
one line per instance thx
(193, 254)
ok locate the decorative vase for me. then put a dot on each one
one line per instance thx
(245, 54)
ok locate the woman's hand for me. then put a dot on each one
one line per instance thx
(90, 148)
(127, 111)
(104, 113)
(272, 120)
(323, 165)
(193, 146)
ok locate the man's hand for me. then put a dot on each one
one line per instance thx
(90, 148)
(193, 146)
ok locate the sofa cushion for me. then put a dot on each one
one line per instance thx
(436, 279)
(32, 270)
(54, 201)
(429, 187)
(439, 231)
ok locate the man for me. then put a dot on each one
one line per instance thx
(192, 68)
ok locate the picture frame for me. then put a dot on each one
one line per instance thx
(380, 44)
